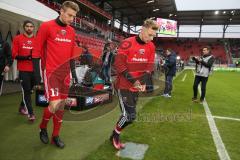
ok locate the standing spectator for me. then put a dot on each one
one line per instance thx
(170, 72)
(5, 60)
(22, 52)
(107, 61)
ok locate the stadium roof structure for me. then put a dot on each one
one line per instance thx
(186, 12)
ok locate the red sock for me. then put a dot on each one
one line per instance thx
(46, 117)
(57, 121)
(117, 129)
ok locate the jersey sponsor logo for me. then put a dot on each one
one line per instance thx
(27, 47)
(63, 40)
(134, 59)
(141, 51)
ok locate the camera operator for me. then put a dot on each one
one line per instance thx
(203, 70)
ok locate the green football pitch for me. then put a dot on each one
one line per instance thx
(174, 128)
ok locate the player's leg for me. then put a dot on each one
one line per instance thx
(51, 95)
(55, 91)
(127, 104)
(63, 86)
(48, 113)
(170, 81)
(195, 87)
(203, 88)
(166, 86)
(22, 108)
(25, 80)
(57, 123)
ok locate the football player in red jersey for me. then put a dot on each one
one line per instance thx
(22, 52)
(55, 43)
(133, 63)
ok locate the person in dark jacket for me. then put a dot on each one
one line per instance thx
(170, 72)
(107, 61)
(5, 60)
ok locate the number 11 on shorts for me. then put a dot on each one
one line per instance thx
(54, 92)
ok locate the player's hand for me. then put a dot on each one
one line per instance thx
(143, 88)
(38, 87)
(137, 85)
(6, 69)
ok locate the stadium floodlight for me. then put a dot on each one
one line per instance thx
(224, 12)
(216, 12)
(150, 1)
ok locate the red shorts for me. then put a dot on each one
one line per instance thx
(56, 85)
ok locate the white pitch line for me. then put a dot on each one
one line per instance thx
(221, 150)
(184, 77)
(226, 118)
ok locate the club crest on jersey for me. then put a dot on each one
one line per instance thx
(29, 42)
(141, 51)
(63, 32)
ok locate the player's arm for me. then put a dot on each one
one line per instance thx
(72, 61)
(40, 41)
(145, 79)
(150, 65)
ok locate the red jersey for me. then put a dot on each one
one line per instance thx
(22, 46)
(55, 42)
(133, 56)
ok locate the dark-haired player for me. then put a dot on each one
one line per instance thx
(22, 52)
